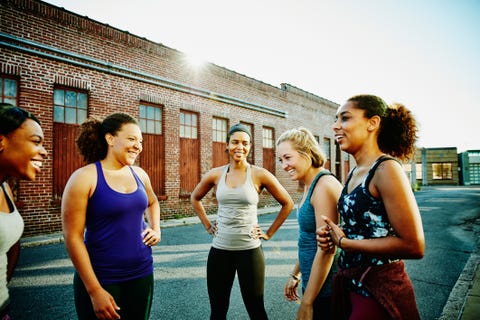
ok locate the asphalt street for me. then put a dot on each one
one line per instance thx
(42, 284)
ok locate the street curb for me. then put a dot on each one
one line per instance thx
(28, 242)
(455, 304)
(36, 241)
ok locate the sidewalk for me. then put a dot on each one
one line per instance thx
(58, 236)
(462, 304)
(464, 300)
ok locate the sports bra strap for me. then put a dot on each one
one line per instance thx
(372, 170)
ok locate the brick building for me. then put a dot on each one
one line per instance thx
(64, 67)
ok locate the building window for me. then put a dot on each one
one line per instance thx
(9, 90)
(474, 173)
(219, 129)
(189, 152)
(152, 159)
(251, 154)
(419, 171)
(69, 106)
(442, 171)
(268, 149)
(326, 148)
(188, 125)
(150, 119)
(327, 152)
(267, 137)
(69, 110)
(219, 142)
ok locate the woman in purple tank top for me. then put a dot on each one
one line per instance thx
(106, 235)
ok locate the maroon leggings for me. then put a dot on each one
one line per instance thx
(366, 308)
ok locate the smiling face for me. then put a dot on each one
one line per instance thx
(22, 152)
(352, 128)
(293, 162)
(239, 146)
(126, 144)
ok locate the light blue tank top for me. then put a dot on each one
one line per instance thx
(237, 214)
(307, 242)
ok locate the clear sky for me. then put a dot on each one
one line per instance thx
(422, 53)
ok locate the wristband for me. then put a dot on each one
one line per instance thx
(340, 241)
(295, 277)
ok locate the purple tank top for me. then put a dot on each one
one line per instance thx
(113, 234)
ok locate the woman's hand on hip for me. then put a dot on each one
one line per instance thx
(151, 237)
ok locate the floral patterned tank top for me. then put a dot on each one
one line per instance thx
(363, 217)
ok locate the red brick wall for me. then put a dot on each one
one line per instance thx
(117, 69)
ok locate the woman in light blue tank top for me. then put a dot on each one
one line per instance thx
(236, 246)
(302, 159)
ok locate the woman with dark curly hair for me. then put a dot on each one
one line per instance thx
(381, 222)
(103, 213)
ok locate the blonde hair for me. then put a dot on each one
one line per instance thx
(304, 142)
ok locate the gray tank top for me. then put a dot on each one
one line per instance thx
(237, 214)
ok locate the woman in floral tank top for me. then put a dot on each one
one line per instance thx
(381, 222)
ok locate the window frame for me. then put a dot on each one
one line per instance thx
(3, 97)
(79, 116)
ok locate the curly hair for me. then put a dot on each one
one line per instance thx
(91, 141)
(304, 142)
(398, 128)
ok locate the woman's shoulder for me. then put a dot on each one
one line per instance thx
(259, 170)
(388, 174)
(214, 174)
(389, 165)
(89, 169)
(327, 178)
(217, 170)
(262, 176)
(327, 181)
(139, 171)
(85, 176)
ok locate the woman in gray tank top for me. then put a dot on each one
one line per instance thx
(236, 246)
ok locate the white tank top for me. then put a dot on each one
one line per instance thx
(11, 229)
(237, 214)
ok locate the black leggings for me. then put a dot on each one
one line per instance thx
(133, 297)
(221, 268)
